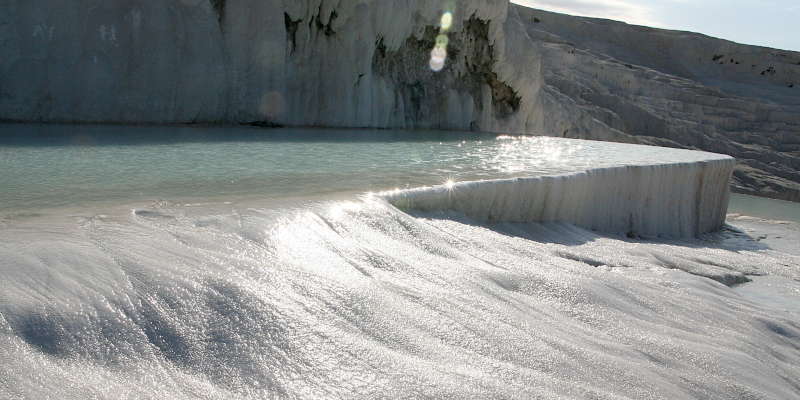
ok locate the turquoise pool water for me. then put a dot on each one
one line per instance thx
(764, 208)
(65, 165)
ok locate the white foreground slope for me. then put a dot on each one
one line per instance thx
(364, 63)
(671, 200)
(355, 300)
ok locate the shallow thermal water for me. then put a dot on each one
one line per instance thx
(46, 165)
(778, 210)
(117, 284)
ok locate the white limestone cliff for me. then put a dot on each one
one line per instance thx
(319, 62)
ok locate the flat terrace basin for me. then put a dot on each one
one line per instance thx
(633, 189)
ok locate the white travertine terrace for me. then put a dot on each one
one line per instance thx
(678, 200)
(364, 63)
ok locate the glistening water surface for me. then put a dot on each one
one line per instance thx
(55, 165)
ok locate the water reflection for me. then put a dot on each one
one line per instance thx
(46, 166)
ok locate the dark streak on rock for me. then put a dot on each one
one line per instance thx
(326, 29)
(329, 28)
(262, 124)
(219, 7)
(291, 31)
(380, 48)
(469, 69)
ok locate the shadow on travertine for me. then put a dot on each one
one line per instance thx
(729, 256)
(729, 238)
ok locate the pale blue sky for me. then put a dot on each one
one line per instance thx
(772, 23)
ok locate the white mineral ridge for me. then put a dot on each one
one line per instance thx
(666, 200)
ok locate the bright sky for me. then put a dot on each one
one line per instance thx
(772, 23)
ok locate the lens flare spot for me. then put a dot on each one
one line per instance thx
(439, 52)
(447, 21)
(438, 58)
(273, 105)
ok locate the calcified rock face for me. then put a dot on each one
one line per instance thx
(317, 62)
(361, 63)
(612, 81)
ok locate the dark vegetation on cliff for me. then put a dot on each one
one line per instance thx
(469, 68)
